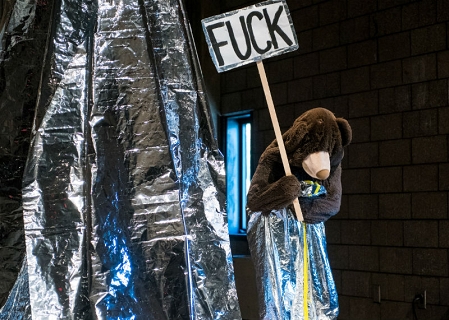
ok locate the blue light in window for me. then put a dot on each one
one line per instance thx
(238, 173)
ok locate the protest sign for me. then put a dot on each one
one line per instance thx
(249, 35)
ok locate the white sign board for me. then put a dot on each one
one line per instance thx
(250, 34)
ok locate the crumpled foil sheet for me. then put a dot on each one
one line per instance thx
(17, 306)
(276, 242)
(123, 190)
(21, 51)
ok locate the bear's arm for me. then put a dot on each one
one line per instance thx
(270, 189)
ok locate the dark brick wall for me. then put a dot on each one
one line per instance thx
(384, 66)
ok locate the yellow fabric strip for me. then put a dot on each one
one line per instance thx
(306, 276)
(317, 189)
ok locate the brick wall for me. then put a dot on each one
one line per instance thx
(384, 66)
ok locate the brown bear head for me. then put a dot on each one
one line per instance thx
(317, 130)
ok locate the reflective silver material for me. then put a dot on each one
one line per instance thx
(198, 164)
(16, 18)
(20, 61)
(276, 242)
(123, 191)
(55, 193)
(17, 306)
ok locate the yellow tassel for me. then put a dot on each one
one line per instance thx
(306, 276)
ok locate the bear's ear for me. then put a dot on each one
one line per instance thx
(345, 131)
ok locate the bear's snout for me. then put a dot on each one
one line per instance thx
(317, 165)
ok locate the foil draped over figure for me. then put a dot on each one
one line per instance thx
(293, 274)
(277, 241)
(117, 174)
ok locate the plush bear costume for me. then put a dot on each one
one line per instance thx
(314, 146)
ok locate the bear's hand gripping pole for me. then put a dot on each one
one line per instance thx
(277, 132)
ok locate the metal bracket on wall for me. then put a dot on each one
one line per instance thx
(422, 300)
(376, 293)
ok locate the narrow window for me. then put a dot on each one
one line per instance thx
(238, 171)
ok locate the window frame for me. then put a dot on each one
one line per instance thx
(239, 120)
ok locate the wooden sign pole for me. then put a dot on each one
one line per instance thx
(277, 131)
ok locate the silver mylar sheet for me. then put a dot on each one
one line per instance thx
(123, 190)
(17, 305)
(21, 51)
(276, 242)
